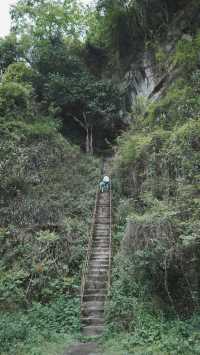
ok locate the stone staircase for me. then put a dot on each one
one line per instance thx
(97, 273)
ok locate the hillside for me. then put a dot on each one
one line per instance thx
(78, 83)
(155, 293)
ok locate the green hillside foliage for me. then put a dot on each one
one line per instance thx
(47, 183)
(47, 196)
(155, 277)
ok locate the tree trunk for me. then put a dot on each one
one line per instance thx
(91, 141)
(87, 143)
(89, 133)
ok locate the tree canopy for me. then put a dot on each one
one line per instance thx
(48, 47)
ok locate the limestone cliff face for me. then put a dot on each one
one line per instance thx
(144, 77)
(140, 80)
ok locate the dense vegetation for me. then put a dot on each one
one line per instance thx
(62, 96)
(156, 169)
(47, 184)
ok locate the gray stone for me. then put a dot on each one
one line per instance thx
(169, 47)
(187, 37)
(83, 349)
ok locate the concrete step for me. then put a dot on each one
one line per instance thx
(100, 248)
(92, 321)
(102, 229)
(102, 219)
(99, 236)
(100, 253)
(105, 262)
(92, 312)
(98, 270)
(101, 245)
(99, 240)
(96, 267)
(94, 297)
(104, 199)
(102, 216)
(103, 208)
(95, 284)
(93, 305)
(99, 260)
(101, 233)
(99, 256)
(103, 205)
(99, 222)
(91, 291)
(97, 277)
(102, 213)
(93, 330)
(98, 263)
(93, 258)
(103, 257)
(103, 251)
(102, 226)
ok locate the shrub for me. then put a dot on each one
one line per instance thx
(187, 52)
(14, 97)
(39, 324)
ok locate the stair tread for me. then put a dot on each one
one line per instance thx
(101, 254)
(98, 263)
(101, 247)
(100, 260)
(93, 304)
(95, 283)
(92, 290)
(94, 294)
(96, 257)
(95, 270)
(97, 275)
(93, 330)
(92, 319)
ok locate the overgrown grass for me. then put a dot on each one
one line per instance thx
(135, 322)
(41, 329)
(55, 345)
(157, 337)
